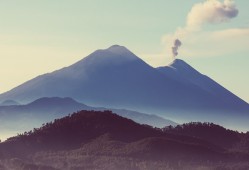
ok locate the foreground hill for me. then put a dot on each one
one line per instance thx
(209, 132)
(103, 140)
(117, 78)
(13, 119)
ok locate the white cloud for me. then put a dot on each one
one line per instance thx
(198, 42)
(212, 12)
(213, 43)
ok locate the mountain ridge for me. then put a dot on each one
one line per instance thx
(13, 119)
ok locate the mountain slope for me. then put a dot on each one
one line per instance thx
(116, 78)
(184, 73)
(149, 119)
(13, 119)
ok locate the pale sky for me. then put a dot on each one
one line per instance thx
(37, 37)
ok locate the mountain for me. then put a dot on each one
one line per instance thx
(117, 78)
(103, 140)
(9, 103)
(13, 119)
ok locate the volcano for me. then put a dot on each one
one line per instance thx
(117, 78)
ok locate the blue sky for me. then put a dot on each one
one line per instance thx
(37, 37)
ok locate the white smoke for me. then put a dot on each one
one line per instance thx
(211, 12)
(207, 12)
(177, 44)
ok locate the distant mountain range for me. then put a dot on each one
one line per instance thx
(9, 103)
(116, 78)
(19, 118)
(103, 140)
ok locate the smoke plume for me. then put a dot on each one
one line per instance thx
(177, 44)
(211, 12)
(206, 12)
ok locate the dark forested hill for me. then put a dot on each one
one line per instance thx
(71, 131)
(103, 140)
(208, 131)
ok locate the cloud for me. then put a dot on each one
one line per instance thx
(216, 43)
(211, 12)
(194, 36)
